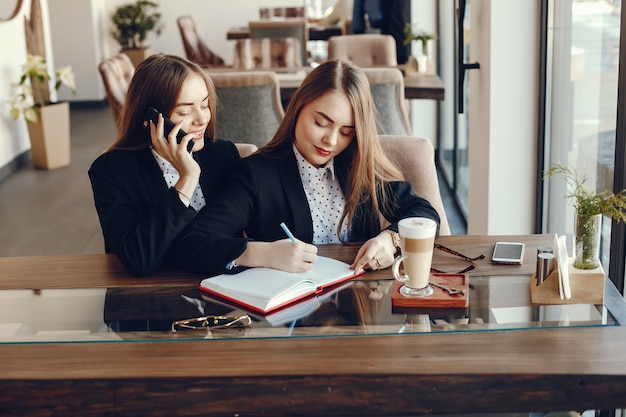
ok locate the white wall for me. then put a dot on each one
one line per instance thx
(424, 112)
(77, 41)
(503, 116)
(13, 135)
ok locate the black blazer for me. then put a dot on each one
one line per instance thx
(139, 215)
(266, 191)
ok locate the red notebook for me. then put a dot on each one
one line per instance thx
(264, 290)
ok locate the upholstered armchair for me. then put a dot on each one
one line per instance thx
(415, 158)
(116, 73)
(364, 50)
(248, 105)
(387, 87)
(267, 53)
(246, 149)
(196, 49)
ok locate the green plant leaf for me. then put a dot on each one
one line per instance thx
(585, 201)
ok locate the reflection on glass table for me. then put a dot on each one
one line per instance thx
(352, 309)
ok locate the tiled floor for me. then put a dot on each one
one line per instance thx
(52, 212)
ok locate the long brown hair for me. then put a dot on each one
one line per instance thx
(362, 168)
(157, 82)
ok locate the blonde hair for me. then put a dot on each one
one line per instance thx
(362, 168)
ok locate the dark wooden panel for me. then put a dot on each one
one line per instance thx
(57, 398)
(424, 86)
(427, 87)
(499, 371)
(327, 396)
(80, 271)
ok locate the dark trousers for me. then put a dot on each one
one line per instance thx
(395, 15)
(371, 8)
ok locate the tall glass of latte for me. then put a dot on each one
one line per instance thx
(417, 239)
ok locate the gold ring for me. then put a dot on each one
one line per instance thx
(377, 262)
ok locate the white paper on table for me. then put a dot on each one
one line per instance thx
(562, 264)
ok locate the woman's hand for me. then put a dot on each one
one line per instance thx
(177, 155)
(377, 253)
(282, 254)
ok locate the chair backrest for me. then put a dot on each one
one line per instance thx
(299, 11)
(269, 13)
(415, 158)
(285, 28)
(364, 50)
(387, 87)
(248, 105)
(246, 149)
(195, 48)
(267, 53)
(116, 73)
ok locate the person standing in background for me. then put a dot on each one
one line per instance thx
(395, 15)
(363, 8)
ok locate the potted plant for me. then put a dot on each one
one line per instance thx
(133, 22)
(424, 59)
(590, 206)
(48, 123)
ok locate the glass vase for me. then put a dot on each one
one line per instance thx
(425, 63)
(587, 234)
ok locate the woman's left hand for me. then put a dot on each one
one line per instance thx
(376, 253)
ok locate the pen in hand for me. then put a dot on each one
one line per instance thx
(288, 232)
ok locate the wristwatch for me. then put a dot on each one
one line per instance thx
(395, 238)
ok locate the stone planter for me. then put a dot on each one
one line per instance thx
(50, 136)
(138, 55)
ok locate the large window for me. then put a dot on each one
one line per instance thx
(454, 134)
(581, 103)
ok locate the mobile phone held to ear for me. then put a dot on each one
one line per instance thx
(153, 114)
(511, 253)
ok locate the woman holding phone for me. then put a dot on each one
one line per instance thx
(324, 174)
(147, 186)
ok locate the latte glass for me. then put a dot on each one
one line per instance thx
(417, 240)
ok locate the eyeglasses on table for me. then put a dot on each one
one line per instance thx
(459, 255)
(212, 323)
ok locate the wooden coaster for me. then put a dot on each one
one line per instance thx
(440, 298)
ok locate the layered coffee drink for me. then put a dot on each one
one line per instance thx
(417, 239)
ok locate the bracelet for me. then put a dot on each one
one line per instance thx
(184, 195)
(395, 238)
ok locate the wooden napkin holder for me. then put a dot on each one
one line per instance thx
(587, 287)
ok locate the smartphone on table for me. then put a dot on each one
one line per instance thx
(153, 114)
(508, 253)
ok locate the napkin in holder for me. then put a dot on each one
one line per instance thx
(566, 284)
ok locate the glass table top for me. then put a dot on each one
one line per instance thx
(356, 308)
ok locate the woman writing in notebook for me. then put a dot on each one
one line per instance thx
(147, 188)
(323, 174)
